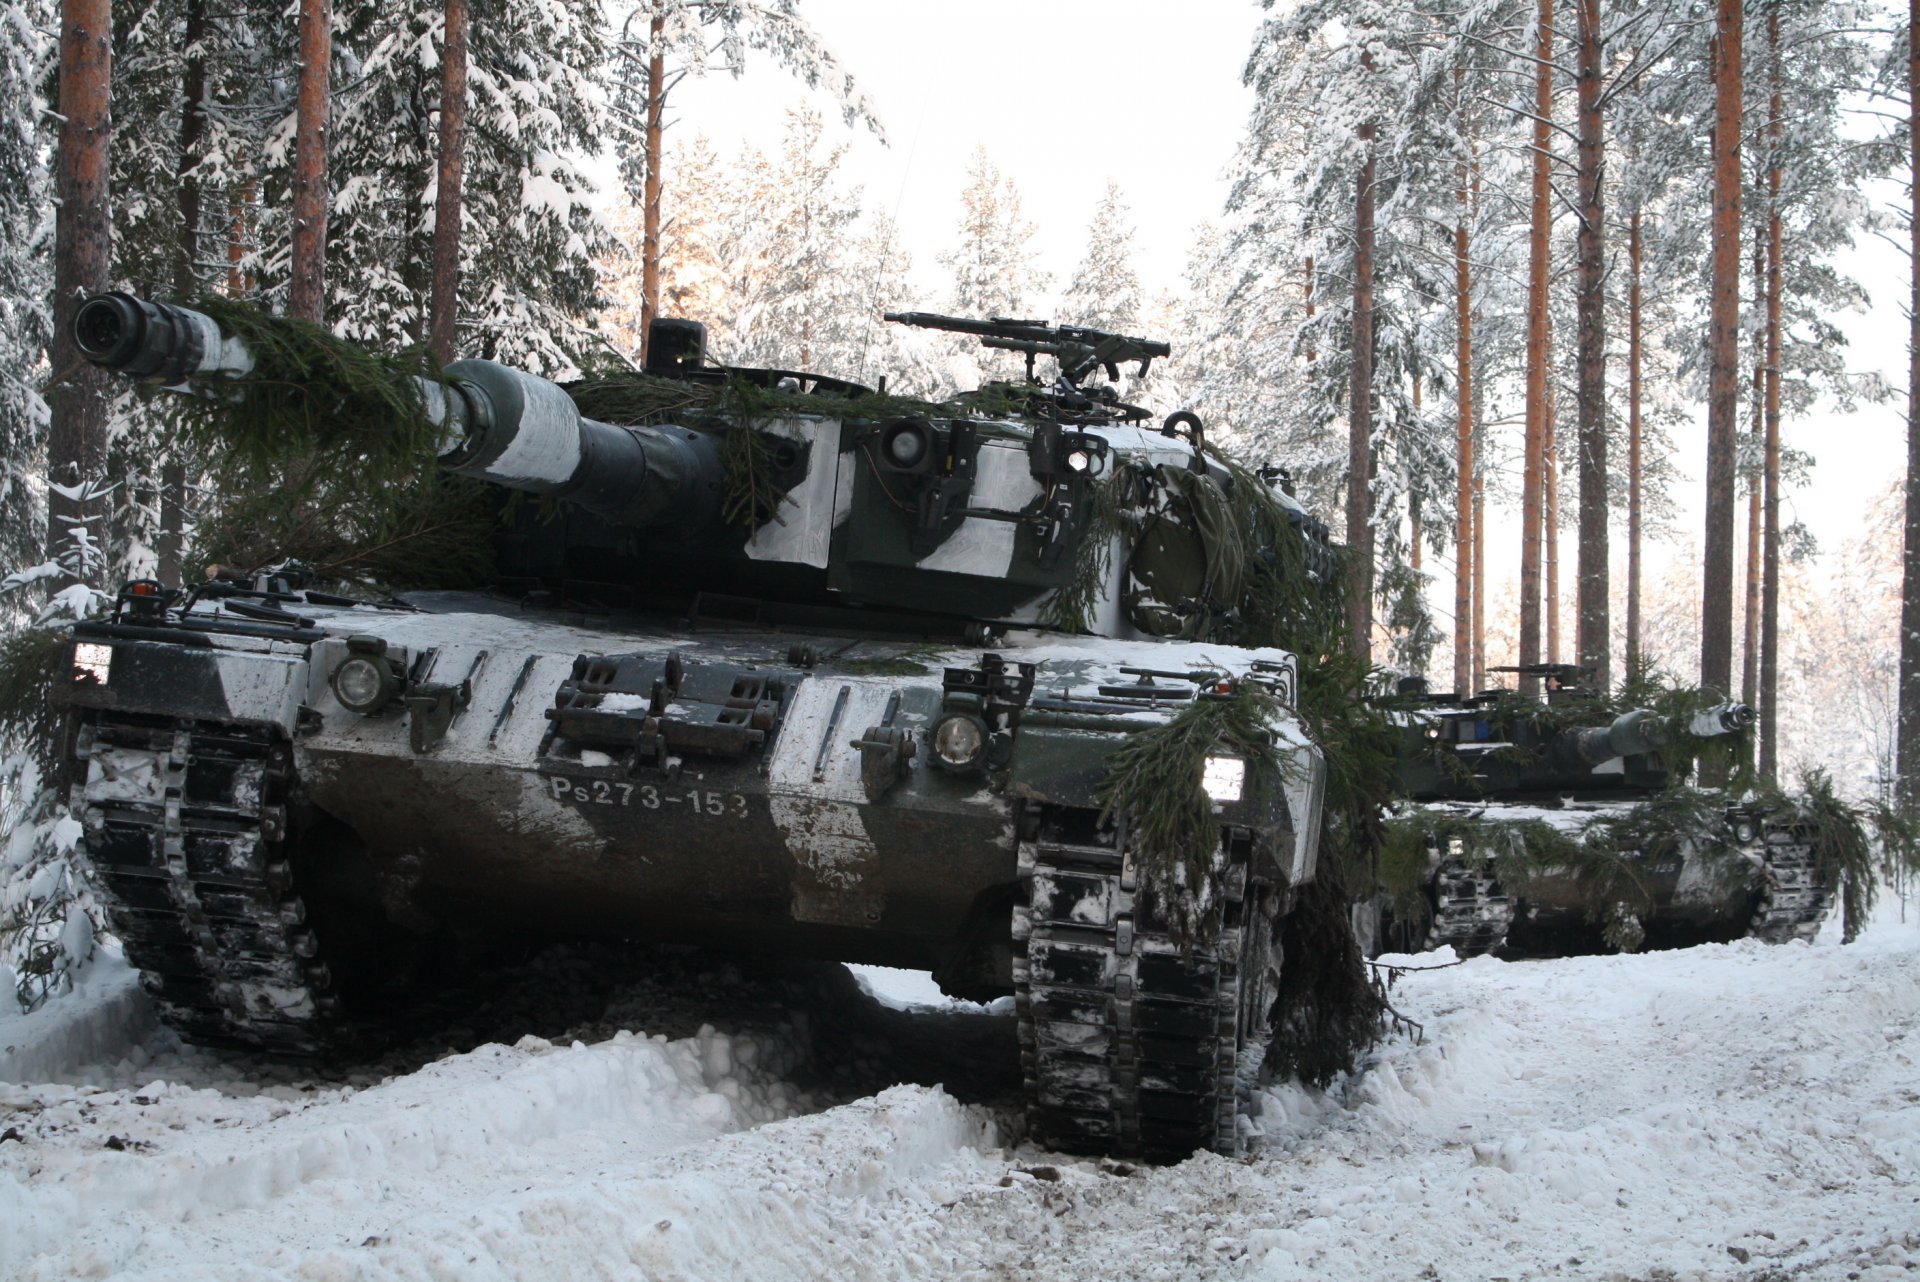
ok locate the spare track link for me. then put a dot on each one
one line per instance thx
(1127, 1040)
(184, 825)
(1796, 898)
(1471, 910)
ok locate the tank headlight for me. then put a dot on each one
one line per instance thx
(907, 445)
(1456, 848)
(959, 742)
(364, 683)
(92, 662)
(1744, 831)
(1223, 778)
(1079, 461)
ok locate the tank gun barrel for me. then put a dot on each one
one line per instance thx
(1643, 730)
(502, 425)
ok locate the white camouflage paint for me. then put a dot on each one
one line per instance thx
(547, 446)
(801, 532)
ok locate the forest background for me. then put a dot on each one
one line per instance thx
(1432, 258)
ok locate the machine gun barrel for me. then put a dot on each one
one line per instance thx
(501, 424)
(1079, 349)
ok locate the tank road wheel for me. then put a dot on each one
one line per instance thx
(185, 826)
(1132, 1045)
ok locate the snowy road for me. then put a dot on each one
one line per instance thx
(1737, 1112)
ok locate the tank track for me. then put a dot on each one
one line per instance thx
(1795, 900)
(1471, 910)
(184, 824)
(1131, 1045)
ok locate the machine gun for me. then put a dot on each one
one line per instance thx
(1078, 349)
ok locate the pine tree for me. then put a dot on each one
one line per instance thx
(994, 272)
(660, 43)
(1104, 290)
(25, 284)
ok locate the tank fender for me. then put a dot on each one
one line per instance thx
(203, 682)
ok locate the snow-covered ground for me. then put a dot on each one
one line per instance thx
(1735, 1112)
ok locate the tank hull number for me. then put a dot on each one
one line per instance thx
(704, 802)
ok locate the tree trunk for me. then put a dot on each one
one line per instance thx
(1633, 443)
(1550, 511)
(1750, 636)
(1463, 523)
(1594, 638)
(1770, 549)
(1413, 499)
(1360, 418)
(186, 272)
(443, 322)
(237, 283)
(1479, 484)
(650, 191)
(307, 296)
(82, 257)
(1907, 760)
(1534, 468)
(1723, 391)
(1312, 354)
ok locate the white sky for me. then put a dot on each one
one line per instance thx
(1066, 94)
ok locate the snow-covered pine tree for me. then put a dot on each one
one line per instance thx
(1104, 290)
(661, 42)
(993, 266)
(1387, 68)
(531, 234)
(25, 315)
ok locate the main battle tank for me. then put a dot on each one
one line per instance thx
(877, 721)
(1549, 829)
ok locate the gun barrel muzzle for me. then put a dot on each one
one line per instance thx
(1725, 718)
(142, 338)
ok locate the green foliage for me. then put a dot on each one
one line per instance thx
(1071, 607)
(1153, 786)
(428, 530)
(308, 393)
(1854, 843)
(1326, 1011)
(32, 662)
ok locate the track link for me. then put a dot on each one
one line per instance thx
(1130, 1044)
(1471, 910)
(184, 824)
(1796, 898)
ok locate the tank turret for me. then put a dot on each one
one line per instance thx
(996, 688)
(982, 511)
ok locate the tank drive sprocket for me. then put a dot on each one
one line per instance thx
(185, 824)
(1795, 898)
(1133, 1044)
(1471, 909)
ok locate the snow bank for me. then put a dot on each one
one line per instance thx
(164, 1157)
(106, 1017)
